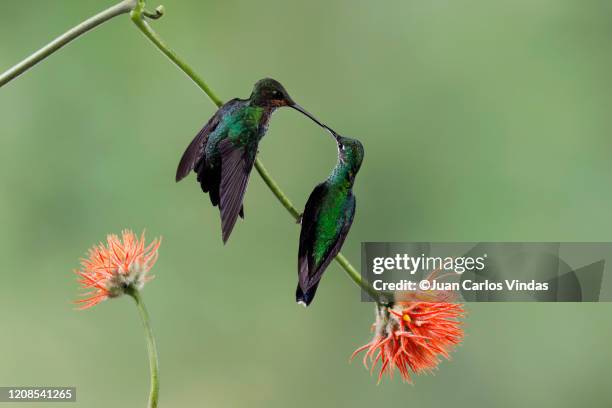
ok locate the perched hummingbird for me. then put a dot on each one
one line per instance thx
(223, 152)
(327, 218)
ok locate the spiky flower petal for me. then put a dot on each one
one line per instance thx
(411, 337)
(111, 268)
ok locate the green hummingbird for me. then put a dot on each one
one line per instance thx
(223, 152)
(327, 218)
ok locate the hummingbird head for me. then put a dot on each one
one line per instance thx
(350, 153)
(270, 93)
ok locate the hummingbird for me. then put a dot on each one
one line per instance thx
(223, 152)
(327, 218)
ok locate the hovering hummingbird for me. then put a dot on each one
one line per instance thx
(327, 218)
(223, 152)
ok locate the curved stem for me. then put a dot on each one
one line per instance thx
(151, 347)
(138, 14)
(70, 35)
(138, 17)
(382, 298)
(276, 190)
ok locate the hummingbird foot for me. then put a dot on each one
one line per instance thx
(299, 219)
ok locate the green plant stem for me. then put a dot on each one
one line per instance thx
(70, 35)
(138, 16)
(276, 190)
(382, 298)
(151, 347)
(139, 19)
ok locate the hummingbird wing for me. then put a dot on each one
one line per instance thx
(236, 166)
(195, 151)
(309, 270)
(194, 157)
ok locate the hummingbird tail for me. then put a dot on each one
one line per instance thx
(307, 297)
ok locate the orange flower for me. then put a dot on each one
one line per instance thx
(410, 336)
(111, 269)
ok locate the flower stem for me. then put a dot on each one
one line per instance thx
(138, 16)
(70, 35)
(151, 347)
(382, 298)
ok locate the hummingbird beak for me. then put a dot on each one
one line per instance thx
(306, 113)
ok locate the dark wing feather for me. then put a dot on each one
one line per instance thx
(236, 166)
(308, 273)
(209, 178)
(195, 151)
(308, 231)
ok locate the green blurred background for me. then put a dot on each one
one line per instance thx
(481, 121)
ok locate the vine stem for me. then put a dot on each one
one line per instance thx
(138, 17)
(120, 8)
(151, 346)
(138, 14)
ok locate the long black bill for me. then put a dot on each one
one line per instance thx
(306, 113)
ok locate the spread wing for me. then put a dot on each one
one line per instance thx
(195, 151)
(309, 271)
(236, 166)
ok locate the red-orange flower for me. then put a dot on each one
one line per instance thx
(411, 336)
(109, 270)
